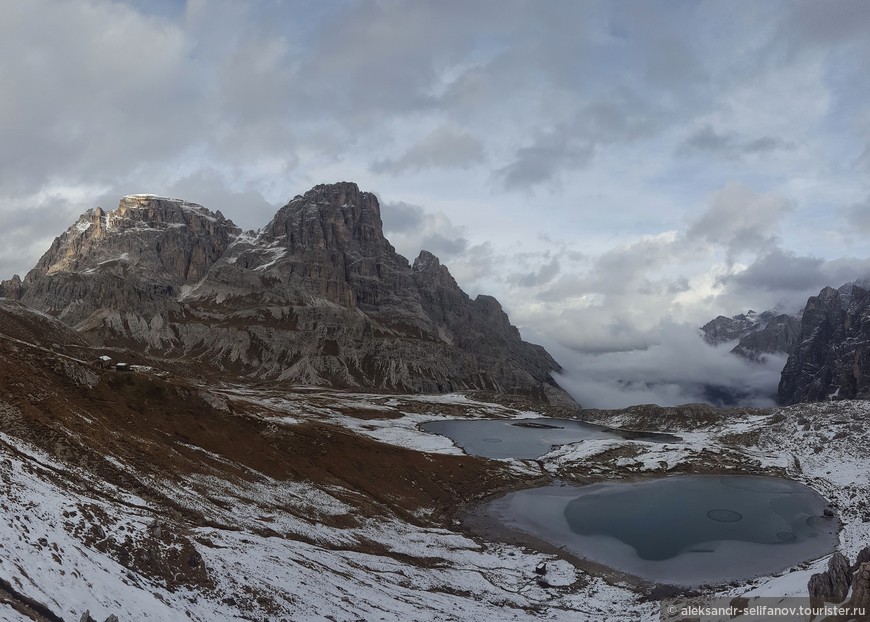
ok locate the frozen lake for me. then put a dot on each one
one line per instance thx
(519, 438)
(683, 530)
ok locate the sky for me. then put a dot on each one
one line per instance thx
(615, 173)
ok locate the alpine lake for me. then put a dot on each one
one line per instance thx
(682, 530)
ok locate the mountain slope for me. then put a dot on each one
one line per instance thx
(317, 296)
(832, 357)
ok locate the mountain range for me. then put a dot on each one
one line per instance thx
(318, 296)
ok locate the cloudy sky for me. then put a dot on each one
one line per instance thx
(616, 173)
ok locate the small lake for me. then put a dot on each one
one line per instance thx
(522, 438)
(683, 530)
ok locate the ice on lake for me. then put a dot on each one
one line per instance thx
(683, 530)
(517, 438)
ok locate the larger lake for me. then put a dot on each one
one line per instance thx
(682, 530)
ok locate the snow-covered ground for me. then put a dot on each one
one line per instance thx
(278, 550)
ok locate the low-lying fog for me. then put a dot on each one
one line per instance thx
(679, 368)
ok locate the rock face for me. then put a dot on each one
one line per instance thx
(841, 580)
(135, 257)
(833, 584)
(317, 296)
(724, 329)
(11, 288)
(759, 334)
(832, 357)
(861, 588)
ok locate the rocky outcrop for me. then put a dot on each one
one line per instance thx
(861, 588)
(758, 334)
(832, 357)
(843, 584)
(11, 288)
(317, 296)
(722, 328)
(832, 585)
(137, 257)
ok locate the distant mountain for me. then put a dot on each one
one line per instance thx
(758, 334)
(317, 296)
(832, 357)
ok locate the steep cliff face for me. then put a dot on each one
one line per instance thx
(317, 296)
(758, 334)
(722, 328)
(135, 257)
(832, 357)
(779, 336)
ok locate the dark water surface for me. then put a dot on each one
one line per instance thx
(686, 530)
(516, 438)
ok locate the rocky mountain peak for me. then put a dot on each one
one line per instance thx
(170, 239)
(832, 357)
(722, 328)
(429, 272)
(331, 216)
(426, 262)
(153, 209)
(757, 334)
(11, 288)
(318, 296)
